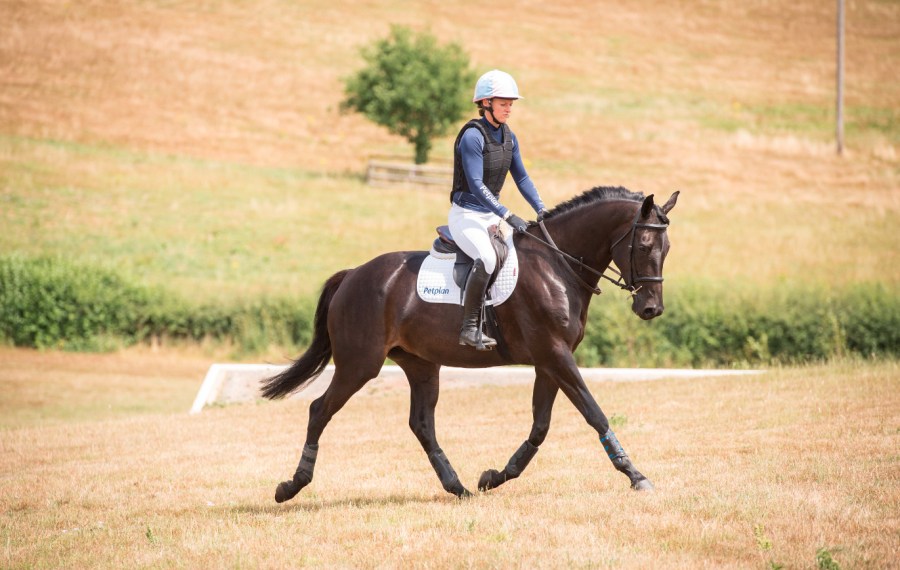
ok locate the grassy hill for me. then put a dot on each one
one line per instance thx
(198, 145)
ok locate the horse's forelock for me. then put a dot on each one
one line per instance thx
(597, 194)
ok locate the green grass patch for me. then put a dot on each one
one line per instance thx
(864, 119)
(212, 231)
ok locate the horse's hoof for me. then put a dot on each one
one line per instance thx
(642, 485)
(286, 490)
(489, 480)
(465, 494)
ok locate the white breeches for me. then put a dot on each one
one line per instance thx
(470, 231)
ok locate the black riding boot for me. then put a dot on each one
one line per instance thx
(476, 286)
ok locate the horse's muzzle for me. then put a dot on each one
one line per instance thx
(651, 312)
(648, 311)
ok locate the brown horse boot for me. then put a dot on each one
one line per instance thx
(473, 305)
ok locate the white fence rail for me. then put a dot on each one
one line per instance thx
(234, 383)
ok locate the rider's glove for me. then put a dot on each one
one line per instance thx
(542, 214)
(517, 223)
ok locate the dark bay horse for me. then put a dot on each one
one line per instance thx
(372, 312)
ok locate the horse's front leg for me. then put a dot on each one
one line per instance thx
(541, 406)
(572, 384)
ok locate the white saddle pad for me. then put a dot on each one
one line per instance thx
(435, 283)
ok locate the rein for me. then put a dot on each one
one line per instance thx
(552, 245)
(619, 281)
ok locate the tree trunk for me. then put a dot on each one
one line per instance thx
(423, 145)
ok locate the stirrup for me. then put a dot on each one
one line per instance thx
(482, 341)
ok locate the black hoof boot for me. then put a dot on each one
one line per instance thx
(449, 479)
(285, 491)
(490, 479)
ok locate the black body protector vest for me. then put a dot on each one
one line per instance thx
(497, 158)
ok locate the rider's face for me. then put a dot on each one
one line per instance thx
(501, 109)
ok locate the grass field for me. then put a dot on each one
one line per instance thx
(750, 473)
(199, 145)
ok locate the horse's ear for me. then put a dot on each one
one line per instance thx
(671, 203)
(647, 206)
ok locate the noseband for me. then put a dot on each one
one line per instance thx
(619, 281)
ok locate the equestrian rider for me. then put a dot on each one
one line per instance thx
(484, 152)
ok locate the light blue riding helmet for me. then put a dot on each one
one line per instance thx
(496, 83)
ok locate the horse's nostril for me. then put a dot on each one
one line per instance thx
(651, 311)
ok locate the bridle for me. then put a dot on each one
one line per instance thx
(633, 233)
(619, 281)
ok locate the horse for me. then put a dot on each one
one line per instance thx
(372, 312)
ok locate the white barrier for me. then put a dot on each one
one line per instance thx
(234, 383)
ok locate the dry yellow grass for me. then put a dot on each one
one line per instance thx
(749, 472)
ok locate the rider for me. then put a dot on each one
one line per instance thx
(484, 152)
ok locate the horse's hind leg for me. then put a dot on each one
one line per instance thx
(424, 390)
(541, 406)
(343, 385)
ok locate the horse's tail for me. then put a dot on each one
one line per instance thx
(316, 357)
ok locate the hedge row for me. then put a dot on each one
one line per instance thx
(711, 325)
(55, 303)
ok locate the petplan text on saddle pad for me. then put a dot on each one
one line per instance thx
(435, 282)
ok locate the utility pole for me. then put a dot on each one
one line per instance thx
(839, 127)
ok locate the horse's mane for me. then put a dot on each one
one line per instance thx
(597, 194)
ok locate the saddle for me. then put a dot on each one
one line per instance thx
(445, 244)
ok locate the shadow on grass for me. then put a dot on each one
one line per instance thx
(316, 505)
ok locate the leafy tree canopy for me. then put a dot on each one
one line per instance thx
(413, 86)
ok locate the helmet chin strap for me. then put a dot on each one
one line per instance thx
(493, 119)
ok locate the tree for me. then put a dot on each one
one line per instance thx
(412, 86)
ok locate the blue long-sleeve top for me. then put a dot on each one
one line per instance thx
(471, 147)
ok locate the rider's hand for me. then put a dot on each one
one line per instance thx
(542, 214)
(517, 223)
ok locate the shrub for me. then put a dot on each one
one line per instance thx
(708, 325)
(55, 303)
(870, 320)
(51, 302)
